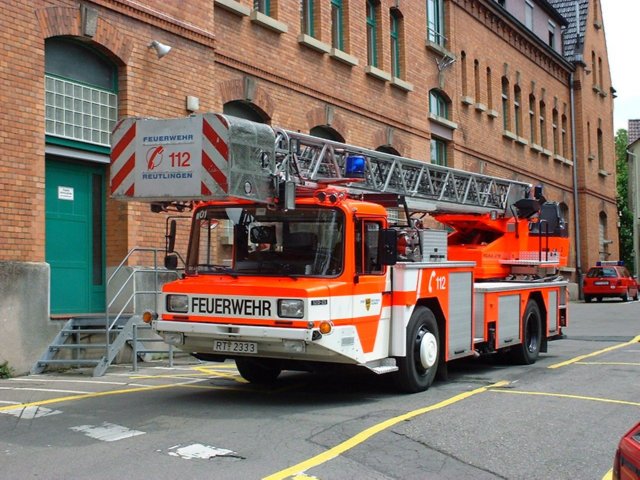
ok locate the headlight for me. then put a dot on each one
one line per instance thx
(290, 308)
(177, 303)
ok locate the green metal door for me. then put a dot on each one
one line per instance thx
(74, 242)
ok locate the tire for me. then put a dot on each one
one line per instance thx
(588, 298)
(635, 298)
(261, 371)
(625, 296)
(418, 368)
(599, 299)
(528, 351)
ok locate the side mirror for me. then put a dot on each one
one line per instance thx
(388, 246)
(171, 237)
(171, 262)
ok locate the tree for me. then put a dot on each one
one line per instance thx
(626, 217)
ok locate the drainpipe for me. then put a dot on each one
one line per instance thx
(634, 181)
(576, 209)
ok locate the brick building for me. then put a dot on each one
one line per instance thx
(511, 88)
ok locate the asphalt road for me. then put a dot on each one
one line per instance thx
(560, 418)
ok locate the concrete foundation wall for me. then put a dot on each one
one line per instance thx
(25, 326)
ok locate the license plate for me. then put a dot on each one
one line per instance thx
(601, 283)
(235, 347)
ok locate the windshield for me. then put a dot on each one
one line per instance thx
(250, 240)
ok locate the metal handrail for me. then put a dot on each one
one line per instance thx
(109, 324)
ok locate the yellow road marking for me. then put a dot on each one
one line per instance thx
(359, 438)
(629, 364)
(573, 397)
(608, 475)
(594, 354)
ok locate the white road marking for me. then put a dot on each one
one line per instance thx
(197, 450)
(29, 389)
(10, 403)
(93, 382)
(107, 432)
(29, 413)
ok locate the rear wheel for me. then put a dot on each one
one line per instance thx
(527, 352)
(588, 298)
(635, 297)
(418, 368)
(625, 296)
(254, 370)
(599, 299)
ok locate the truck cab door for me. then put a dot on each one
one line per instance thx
(370, 288)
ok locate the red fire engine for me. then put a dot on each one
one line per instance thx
(305, 252)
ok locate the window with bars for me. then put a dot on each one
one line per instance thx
(79, 112)
(81, 102)
(435, 21)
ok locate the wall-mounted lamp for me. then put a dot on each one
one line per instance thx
(160, 48)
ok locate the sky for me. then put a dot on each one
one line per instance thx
(621, 22)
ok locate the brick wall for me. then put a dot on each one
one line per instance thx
(298, 87)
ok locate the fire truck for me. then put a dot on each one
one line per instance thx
(306, 253)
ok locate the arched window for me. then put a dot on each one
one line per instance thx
(388, 149)
(246, 110)
(326, 132)
(81, 101)
(555, 131)
(506, 118)
(489, 90)
(517, 111)
(543, 125)
(372, 32)
(395, 33)
(532, 119)
(438, 104)
(439, 107)
(603, 236)
(600, 150)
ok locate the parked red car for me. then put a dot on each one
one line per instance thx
(626, 464)
(609, 279)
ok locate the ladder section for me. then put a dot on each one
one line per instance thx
(312, 160)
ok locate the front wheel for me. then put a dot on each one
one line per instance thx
(527, 352)
(258, 370)
(418, 368)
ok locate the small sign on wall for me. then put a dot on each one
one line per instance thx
(65, 193)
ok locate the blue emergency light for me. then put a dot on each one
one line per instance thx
(354, 166)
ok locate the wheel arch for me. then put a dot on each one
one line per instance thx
(542, 305)
(434, 305)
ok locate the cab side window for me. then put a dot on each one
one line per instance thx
(367, 247)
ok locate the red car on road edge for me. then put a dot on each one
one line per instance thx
(609, 279)
(626, 464)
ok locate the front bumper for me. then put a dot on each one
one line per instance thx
(273, 342)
